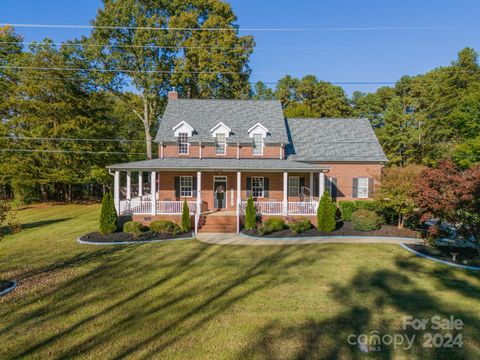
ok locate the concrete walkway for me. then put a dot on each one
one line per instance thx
(240, 239)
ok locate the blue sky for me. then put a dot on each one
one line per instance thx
(357, 56)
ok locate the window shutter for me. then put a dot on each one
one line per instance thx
(334, 188)
(328, 186)
(249, 187)
(370, 187)
(315, 185)
(194, 187)
(355, 188)
(177, 186)
(266, 187)
(302, 184)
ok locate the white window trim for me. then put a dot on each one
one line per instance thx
(253, 147)
(178, 146)
(191, 187)
(258, 129)
(225, 146)
(298, 182)
(263, 187)
(221, 128)
(366, 189)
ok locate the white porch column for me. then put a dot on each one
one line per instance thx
(239, 198)
(199, 188)
(321, 184)
(310, 185)
(285, 193)
(140, 183)
(116, 191)
(129, 185)
(153, 196)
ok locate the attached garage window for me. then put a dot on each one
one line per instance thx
(362, 190)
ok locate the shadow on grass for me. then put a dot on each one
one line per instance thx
(37, 224)
(366, 300)
(171, 292)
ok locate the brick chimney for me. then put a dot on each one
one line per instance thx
(173, 95)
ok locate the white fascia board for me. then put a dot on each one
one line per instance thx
(258, 129)
(183, 127)
(220, 128)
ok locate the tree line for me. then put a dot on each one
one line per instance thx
(67, 111)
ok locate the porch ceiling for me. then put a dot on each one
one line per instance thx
(215, 164)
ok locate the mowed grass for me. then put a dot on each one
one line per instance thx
(189, 300)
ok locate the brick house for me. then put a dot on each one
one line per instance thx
(217, 153)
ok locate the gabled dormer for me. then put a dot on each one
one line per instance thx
(258, 132)
(182, 132)
(220, 128)
(220, 132)
(258, 129)
(183, 127)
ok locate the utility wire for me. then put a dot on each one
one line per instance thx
(69, 151)
(64, 139)
(235, 28)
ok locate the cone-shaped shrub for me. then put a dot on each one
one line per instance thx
(186, 222)
(326, 213)
(108, 215)
(250, 215)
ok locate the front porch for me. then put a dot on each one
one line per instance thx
(162, 192)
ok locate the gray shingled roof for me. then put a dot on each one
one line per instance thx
(333, 140)
(238, 115)
(213, 164)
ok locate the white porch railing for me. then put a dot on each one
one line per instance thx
(143, 205)
(302, 208)
(265, 207)
(174, 207)
(276, 207)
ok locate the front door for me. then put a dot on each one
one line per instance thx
(220, 192)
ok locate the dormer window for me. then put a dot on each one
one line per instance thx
(183, 143)
(220, 144)
(257, 144)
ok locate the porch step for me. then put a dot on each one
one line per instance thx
(217, 223)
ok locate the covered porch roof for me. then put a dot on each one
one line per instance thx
(216, 164)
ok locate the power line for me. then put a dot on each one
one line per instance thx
(69, 44)
(235, 28)
(69, 151)
(65, 139)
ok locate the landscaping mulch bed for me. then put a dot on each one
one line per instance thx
(5, 284)
(345, 230)
(466, 255)
(119, 237)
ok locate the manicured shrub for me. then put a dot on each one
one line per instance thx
(326, 214)
(108, 215)
(164, 227)
(133, 228)
(271, 225)
(186, 222)
(250, 215)
(298, 226)
(347, 208)
(365, 220)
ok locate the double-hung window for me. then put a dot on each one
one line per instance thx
(257, 144)
(293, 186)
(186, 186)
(220, 144)
(362, 190)
(258, 186)
(183, 143)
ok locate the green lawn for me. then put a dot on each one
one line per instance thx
(189, 300)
